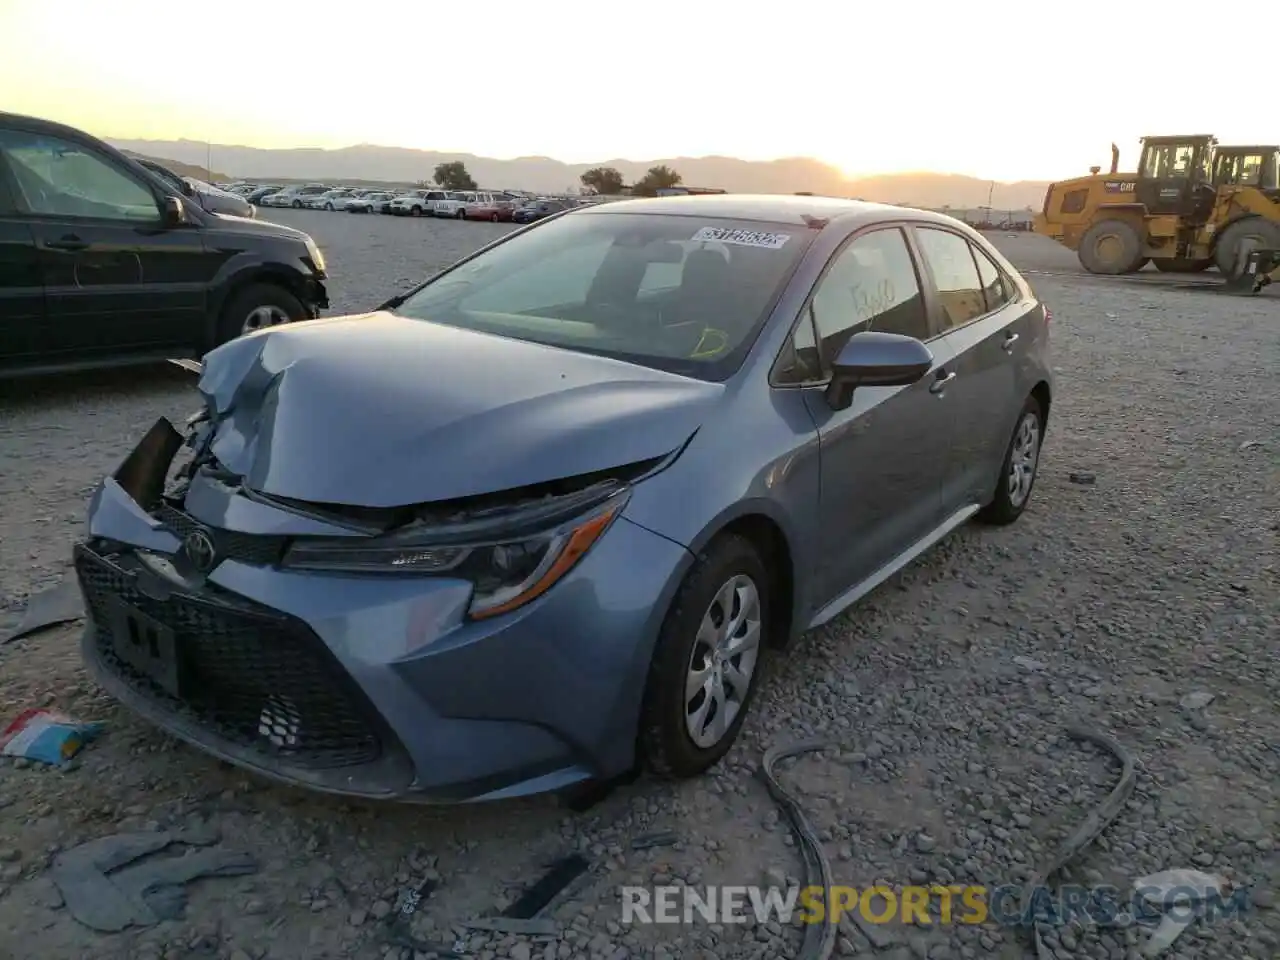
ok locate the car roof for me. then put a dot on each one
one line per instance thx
(768, 208)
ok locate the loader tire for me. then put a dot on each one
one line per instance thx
(1255, 232)
(1183, 265)
(1111, 247)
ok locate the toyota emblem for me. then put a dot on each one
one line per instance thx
(200, 550)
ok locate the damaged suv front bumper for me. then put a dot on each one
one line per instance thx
(361, 685)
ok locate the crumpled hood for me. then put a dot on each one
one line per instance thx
(383, 411)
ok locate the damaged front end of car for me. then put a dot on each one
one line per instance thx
(292, 637)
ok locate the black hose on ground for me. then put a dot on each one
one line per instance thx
(1098, 820)
(820, 938)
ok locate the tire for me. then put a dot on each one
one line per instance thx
(495, 218)
(329, 207)
(1111, 247)
(1012, 495)
(297, 204)
(270, 297)
(460, 215)
(1182, 265)
(1258, 233)
(665, 741)
(416, 212)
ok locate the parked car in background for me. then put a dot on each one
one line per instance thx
(257, 194)
(659, 509)
(537, 209)
(328, 200)
(210, 198)
(417, 203)
(489, 206)
(294, 196)
(107, 263)
(455, 203)
(369, 202)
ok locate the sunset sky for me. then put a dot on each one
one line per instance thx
(992, 88)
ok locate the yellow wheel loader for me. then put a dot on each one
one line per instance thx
(1191, 205)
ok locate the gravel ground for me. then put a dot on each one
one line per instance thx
(1109, 602)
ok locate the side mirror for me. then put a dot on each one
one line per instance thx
(874, 359)
(175, 214)
(188, 190)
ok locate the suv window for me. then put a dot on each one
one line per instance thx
(55, 177)
(995, 287)
(956, 275)
(870, 285)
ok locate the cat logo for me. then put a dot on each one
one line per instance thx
(1118, 186)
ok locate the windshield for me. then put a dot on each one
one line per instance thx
(676, 293)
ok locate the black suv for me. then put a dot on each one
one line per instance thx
(101, 264)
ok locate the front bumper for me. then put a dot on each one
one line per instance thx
(369, 686)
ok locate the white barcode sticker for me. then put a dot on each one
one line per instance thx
(742, 238)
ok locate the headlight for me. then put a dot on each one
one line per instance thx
(506, 571)
(316, 256)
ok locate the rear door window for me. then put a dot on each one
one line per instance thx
(955, 273)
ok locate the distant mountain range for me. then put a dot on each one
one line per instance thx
(191, 170)
(400, 165)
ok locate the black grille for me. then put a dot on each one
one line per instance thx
(256, 549)
(251, 676)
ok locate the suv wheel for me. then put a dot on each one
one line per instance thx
(1021, 465)
(416, 211)
(461, 214)
(257, 307)
(707, 660)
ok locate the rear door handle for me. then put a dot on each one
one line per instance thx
(1009, 341)
(940, 384)
(69, 242)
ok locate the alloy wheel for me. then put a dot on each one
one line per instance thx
(1024, 458)
(262, 317)
(723, 661)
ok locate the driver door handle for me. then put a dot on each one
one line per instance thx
(940, 383)
(1009, 341)
(69, 242)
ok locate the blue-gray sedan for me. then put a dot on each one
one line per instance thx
(541, 519)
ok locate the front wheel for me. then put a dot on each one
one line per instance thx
(461, 215)
(1253, 233)
(495, 218)
(1020, 468)
(258, 307)
(297, 204)
(416, 211)
(707, 661)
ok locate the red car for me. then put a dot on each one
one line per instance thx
(488, 206)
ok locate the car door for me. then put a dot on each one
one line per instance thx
(116, 278)
(884, 456)
(982, 320)
(22, 318)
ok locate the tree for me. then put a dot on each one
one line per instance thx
(605, 181)
(658, 178)
(454, 176)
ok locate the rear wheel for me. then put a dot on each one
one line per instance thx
(707, 661)
(416, 211)
(1111, 247)
(329, 207)
(1182, 265)
(258, 307)
(495, 218)
(1021, 465)
(297, 204)
(1237, 240)
(461, 215)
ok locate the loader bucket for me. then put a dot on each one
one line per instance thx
(1259, 268)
